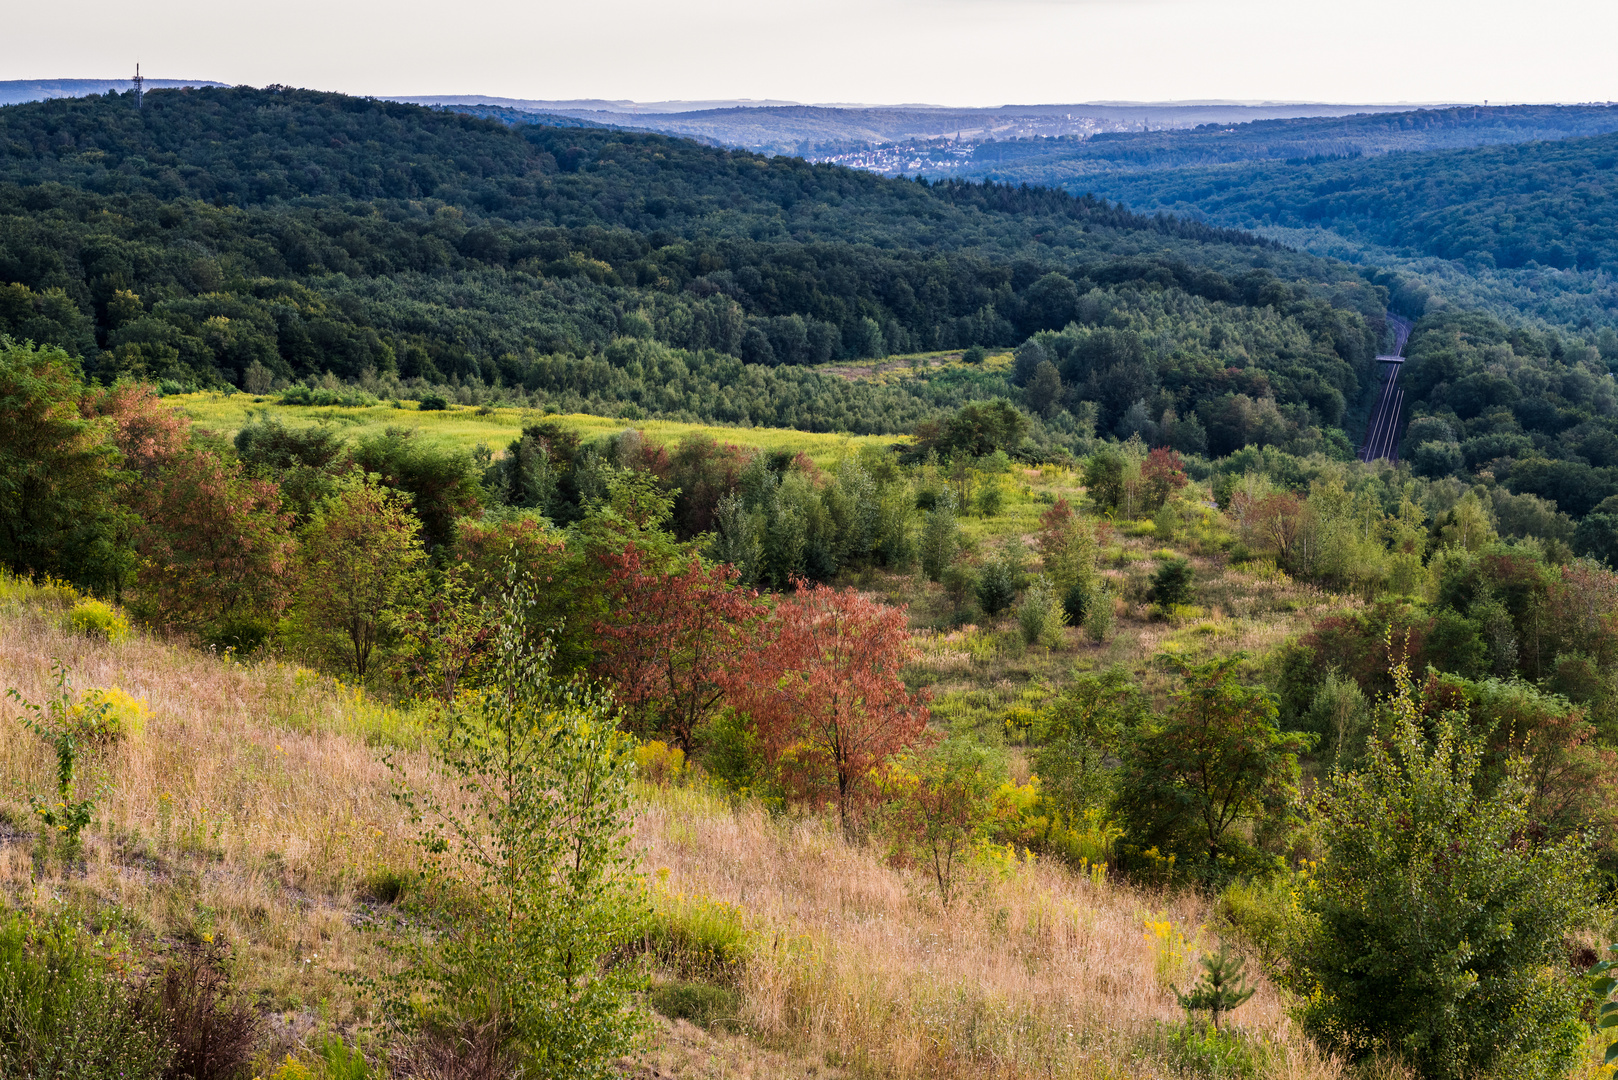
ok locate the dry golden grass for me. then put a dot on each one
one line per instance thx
(1035, 973)
(251, 807)
(256, 801)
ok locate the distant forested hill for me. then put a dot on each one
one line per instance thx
(1529, 229)
(1550, 203)
(1521, 229)
(1065, 162)
(303, 233)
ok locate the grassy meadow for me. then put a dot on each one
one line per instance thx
(252, 803)
(467, 427)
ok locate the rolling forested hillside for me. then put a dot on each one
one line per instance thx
(253, 238)
(304, 233)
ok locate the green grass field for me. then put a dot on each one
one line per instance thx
(465, 426)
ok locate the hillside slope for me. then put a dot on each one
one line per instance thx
(254, 809)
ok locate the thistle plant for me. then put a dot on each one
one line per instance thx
(1223, 986)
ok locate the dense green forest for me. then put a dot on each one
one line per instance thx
(1527, 229)
(1428, 196)
(1545, 202)
(254, 239)
(304, 233)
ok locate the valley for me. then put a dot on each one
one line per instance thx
(487, 595)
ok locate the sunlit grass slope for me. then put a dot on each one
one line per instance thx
(253, 805)
(467, 427)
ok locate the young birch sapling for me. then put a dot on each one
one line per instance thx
(63, 725)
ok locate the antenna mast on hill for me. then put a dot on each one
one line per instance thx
(139, 83)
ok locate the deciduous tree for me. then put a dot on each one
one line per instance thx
(528, 831)
(149, 433)
(1437, 916)
(362, 558)
(941, 801)
(826, 694)
(56, 471)
(215, 547)
(1162, 475)
(1216, 759)
(668, 638)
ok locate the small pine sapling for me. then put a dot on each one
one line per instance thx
(1223, 986)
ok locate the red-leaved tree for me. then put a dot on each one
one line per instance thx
(1162, 474)
(148, 432)
(215, 547)
(825, 694)
(669, 637)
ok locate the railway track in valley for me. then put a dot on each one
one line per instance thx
(1382, 433)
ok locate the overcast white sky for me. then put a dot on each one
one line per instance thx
(955, 52)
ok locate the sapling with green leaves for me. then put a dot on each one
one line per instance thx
(528, 852)
(1222, 988)
(1603, 983)
(62, 722)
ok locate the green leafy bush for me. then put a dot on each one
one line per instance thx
(431, 403)
(1437, 922)
(1041, 615)
(997, 586)
(1200, 1050)
(1098, 613)
(1263, 912)
(320, 395)
(939, 536)
(1171, 584)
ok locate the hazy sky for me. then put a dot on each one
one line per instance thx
(958, 52)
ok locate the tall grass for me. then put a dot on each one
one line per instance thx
(253, 806)
(1039, 973)
(249, 805)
